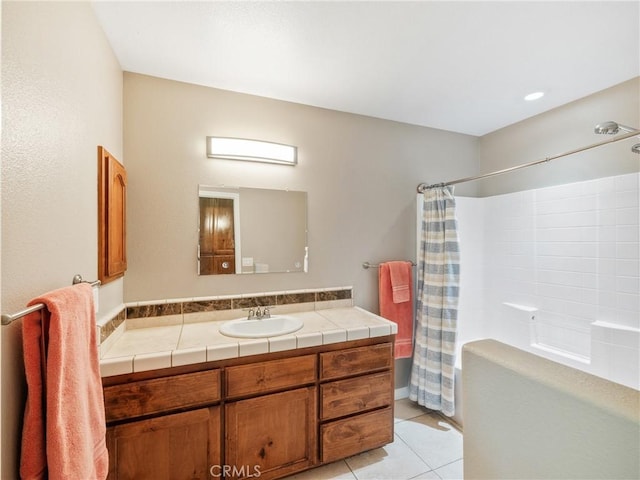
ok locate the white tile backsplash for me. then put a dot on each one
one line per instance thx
(626, 182)
(627, 233)
(627, 216)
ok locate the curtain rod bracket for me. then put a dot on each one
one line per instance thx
(423, 187)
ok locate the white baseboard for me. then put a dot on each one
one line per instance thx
(401, 393)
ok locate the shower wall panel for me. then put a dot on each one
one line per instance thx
(573, 252)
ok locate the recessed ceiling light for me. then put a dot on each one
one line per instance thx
(534, 96)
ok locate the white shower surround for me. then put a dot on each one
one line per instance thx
(570, 251)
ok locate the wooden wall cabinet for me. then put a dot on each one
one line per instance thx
(112, 205)
(265, 416)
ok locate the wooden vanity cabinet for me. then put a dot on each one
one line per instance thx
(180, 445)
(356, 398)
(273, 435)
(268, 415)
(174, 443)
(263, 377)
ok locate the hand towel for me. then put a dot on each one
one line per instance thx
(400, 276)
(400, 311)
(64, 426)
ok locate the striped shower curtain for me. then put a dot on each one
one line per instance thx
(432, 372)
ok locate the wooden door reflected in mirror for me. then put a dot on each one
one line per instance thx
(251, 230)
(217, 236)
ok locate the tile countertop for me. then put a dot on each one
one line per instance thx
(151, 348)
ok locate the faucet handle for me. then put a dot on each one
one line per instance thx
(266, 311)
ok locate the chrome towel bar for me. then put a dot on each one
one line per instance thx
(7, 319)
(367, 265)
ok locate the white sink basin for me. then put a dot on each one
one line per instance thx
(266, 327)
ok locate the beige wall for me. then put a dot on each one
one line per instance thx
(560, 130)
(528, 417)
(1, 258)
(61, 97)
(360, 174)
(274, 227)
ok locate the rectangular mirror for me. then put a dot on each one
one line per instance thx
(251, 230)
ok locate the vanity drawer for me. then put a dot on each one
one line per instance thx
(345, 397)
(343, 438)
(148, 397)
(269, 376)
(343, 363)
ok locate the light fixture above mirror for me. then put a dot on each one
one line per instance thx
(251, 150)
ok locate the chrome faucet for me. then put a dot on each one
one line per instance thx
(259, 314)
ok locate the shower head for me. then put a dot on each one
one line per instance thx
(611, 128)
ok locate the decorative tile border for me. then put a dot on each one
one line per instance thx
(334, 294)
(291, 298)
(207, 306)
(219, 304)
(112, 325)
(158, 310)
(249, 302)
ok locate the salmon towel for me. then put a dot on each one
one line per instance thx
(395, 286)
(63, 435)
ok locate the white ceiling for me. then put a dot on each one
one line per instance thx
(459, 66)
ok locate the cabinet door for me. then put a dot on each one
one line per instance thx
(112, 236)
(271, 436)
(180, 446)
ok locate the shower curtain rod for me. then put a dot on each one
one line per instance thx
(423, 186)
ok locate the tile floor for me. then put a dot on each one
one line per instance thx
(426, 446)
